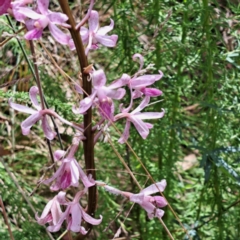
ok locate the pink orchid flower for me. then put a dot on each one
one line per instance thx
(4, 6)
(41, 18)
(102, 96)
(95, 35)
(74, 215)
(35, 116)
(69, 172)
(38, 114)
(140, 82)
(136, 117)
(51, 213)
(150, 204)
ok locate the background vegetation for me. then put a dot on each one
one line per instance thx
(195, 147)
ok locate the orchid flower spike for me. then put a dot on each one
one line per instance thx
(35, 116)
(136, 117)
(41, 18)
(102, 96)
(140, 82)
(51, 213)
(150, 204)
(74, 215)
(4, 6)
(70, 171)
(95, 35)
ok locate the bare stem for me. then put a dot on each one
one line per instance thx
(6, 219)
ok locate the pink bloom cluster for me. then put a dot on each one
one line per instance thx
(103, 98)
(38, 18)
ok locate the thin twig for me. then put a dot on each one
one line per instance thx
(37, 74)
(8, 39)
(6, 219)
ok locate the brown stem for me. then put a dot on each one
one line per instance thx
(6, 219)
(87, 86)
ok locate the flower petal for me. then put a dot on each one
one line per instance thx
(76, 212)
(4, 5)
(21, 108)
(115, 94)
(105, 109)
(154, 188)
(108, 41)
(85, 104)
(59, 35)
(149, 208)
(137, 198)
(142, 105)
(43, 6)
(27, 123)
(87, 182)
(144, 80)
(152, 92)
(84, 34)
(48, 132)
(58, 154)
(74, 173)
(140, 126)
(137, 94)
(125, 134)
(160, 201)
(123, 81)
(45, 212)
(33, 92)
(93, 21)
(56, 211)
(61, 197)
(66, 179)
(90, 219)
(98, 78)
(29, 13)
(57, 227)
(33, 34)
(57, 174)
(83, 231)
(58, 18)
(104, 30)
(150, 115)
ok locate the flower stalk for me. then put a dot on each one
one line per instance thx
(87, 87)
